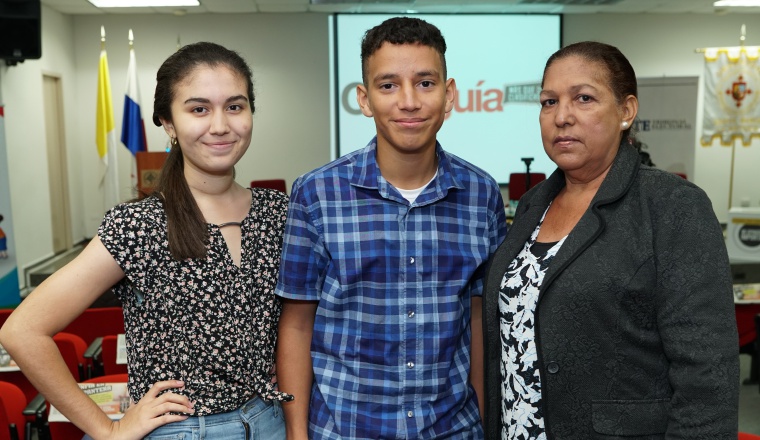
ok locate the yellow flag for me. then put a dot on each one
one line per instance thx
(104, 124)
(105, 134)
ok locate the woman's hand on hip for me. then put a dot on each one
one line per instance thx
(153, 411)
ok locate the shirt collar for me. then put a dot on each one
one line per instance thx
(366, 174)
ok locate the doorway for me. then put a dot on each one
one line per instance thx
(60, 214)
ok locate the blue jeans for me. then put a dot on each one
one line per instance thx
(257, 419)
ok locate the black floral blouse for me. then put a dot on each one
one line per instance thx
(206, 321)
(521, 410)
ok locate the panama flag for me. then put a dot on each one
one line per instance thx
(133, 126)
(105, 133)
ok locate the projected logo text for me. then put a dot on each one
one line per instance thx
(473, 100)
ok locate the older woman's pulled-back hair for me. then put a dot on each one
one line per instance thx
(621, 77)
(182, 62)
(186, 228)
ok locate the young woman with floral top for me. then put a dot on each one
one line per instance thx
(194, 264)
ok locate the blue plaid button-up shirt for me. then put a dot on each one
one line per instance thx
(393, 281)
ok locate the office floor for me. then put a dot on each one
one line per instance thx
(749, 401)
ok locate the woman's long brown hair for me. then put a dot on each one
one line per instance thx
(186, 227)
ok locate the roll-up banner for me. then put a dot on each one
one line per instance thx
(9, 288)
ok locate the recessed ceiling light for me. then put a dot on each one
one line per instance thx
(142, 3)
(731, 3)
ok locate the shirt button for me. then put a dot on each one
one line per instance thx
(409, 414)
(411, 260)
(410, 314)
(410, 364)
(552, 367)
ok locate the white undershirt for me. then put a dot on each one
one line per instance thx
(411, 194)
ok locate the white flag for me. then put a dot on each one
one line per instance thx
(133, 126)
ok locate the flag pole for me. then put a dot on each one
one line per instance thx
(134, 179)
(742, 39)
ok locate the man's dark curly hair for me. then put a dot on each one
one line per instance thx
(402, 30)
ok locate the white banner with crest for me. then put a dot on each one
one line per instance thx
(732, 95)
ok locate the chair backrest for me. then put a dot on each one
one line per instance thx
(72, 349)
(96, 322)
(17, 378)
(12, 404)
(64, 431)
(108, 356)
(745, 323)
(107, 378)
(278, 184)
(518, 183)
(4, 314)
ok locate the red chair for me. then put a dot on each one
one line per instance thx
(13, 423)
(18, 379)
(518, 183)
(69, 431)
(96, 322)
(72, 349)
(278, 184)
(746, 436)
(92, 323)
(108, 378)
(747, 329)
(4, 314)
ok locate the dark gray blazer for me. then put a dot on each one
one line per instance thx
(635, 326)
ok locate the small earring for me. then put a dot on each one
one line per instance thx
(174, 142)
(624, 124)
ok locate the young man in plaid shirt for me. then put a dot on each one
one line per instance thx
(383, 261)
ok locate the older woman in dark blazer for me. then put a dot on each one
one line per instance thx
(608, 310)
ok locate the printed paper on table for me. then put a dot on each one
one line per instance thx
(112, 398)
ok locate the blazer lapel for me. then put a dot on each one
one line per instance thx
(529, 212)
(583, 234)
(617, 182)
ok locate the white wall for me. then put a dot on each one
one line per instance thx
(25, 138)
(289, 56)
(663, 45)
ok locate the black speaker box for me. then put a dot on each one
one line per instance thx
(20, 30)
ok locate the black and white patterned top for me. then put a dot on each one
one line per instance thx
(521, 413)
(206, 321)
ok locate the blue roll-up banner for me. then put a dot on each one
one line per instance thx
(9, 289)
